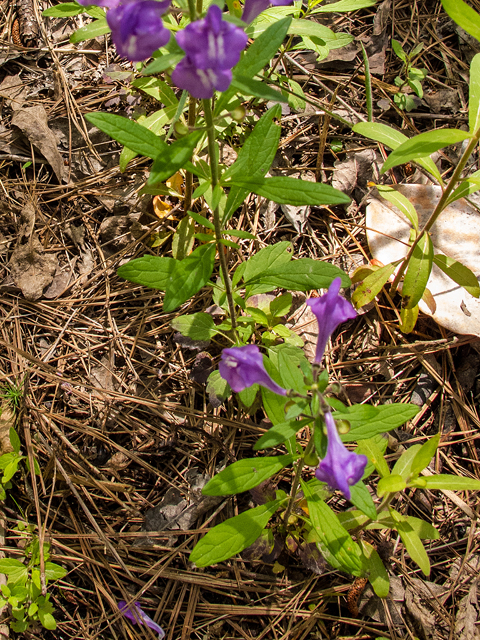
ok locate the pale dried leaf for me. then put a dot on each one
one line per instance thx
(467, 615)
(7, 421)
(14, 91)
(31, 269)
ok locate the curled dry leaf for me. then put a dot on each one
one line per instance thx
(33, 123)
(7, 421)
(32, 270)
(455, 234)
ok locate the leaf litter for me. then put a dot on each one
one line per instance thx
(117, 404)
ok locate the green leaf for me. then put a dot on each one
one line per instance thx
(173, 157)
(367, 421)
(90, 31)
(279, 433)
(14, 569)
(63, 10)
(408, 318)
(424, 144)
(459, 273)
(217, 387)
(273, 257)
(424, 530)
(400, 201)
(377, 574)
(418, 272)
(233, 536)
(129, 133)
(295, 191)
(424, 455)
(361, 498)
(464, 16)
(189, 276)
(273, 404)
(445, 482)
(398, 50)
(201, 220)
(390, 484)
(344, 6)
(403, 465)
(245, 475)
(370, 448)
(54, 571)
(393, 139)
(263, 49)
(183, 238)
(372, 285)
(47, 620)
(304, 274)
(15, 440)
(281, 305)
(161, 91)
(466, 187)
(198, 326)
(11, 470)
(257, 88)
(239, 233)
(163, 62)
(150, 271)
(412, 542)
(335, 542)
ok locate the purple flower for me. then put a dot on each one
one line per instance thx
(340, 468)
(243, 366)
(135, 614)
(253, 8)
(108, 4)
(137, 28)
(330, 310)
(212, 47)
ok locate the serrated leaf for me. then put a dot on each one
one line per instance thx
(341, 550)
(233, 536)
(367, 421)
(245, 475)
(424, 144)
(295, 191)
(90, 31)
(279, 433)
(189, 276)
(198, 326)
(377, 574)
(372, 285)
(446, 482)
(459, 273)
(129, 133)
(418, 272)
(149, 271)
(361, 498)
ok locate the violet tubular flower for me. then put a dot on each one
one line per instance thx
(136, 615)
(242, 367)
(212, 47)
(254, 8)
(331, 310)
(340, 468)
(137, 28)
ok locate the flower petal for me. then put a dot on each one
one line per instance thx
(243, 367)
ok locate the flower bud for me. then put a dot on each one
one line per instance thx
(311, 459)
(343, 426)
(181, 129)
(239, 113)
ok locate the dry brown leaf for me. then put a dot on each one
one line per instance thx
(31, 269)
(467, 615)
(14, 91)
(33, 123)
(7, 421)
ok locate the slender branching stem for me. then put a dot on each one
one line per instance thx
(456, 176)
(187, 203)
(212, 152)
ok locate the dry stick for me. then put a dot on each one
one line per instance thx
(91, 519)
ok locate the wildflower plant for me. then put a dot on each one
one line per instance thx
(202, 50)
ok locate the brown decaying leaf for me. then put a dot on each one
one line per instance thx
(7, 421)
(32, 270)
(33, 123)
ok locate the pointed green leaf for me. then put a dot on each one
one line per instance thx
(400, 201)
(367, 421)
(370, 448)
(425, 455)
(189, 276)
(372, 285)
(412, 542)
(279, 433)
(129, 133)
(408, 318)
(14, 569)
(361, 498)
(257, 88)
(403, 465)
(459, 273)
(63, 10)
(272, 257)
(304, 274)
(285, 190)
(245, 475)
(263, 49)
(377, 574)
(198, 326)
(149, 271)
(464, 16)
(418, 272)
(54, 571)
(390, 484)
(173, 158)
(466, 187)
(344, 5)
(232, 536)
(446, 482)
(90, 31)
(424, 144)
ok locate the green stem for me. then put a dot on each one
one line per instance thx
(456, 176)
(192, 10)
(212, 152)
(187, 203)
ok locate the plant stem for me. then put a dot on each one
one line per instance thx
(191, 10)
(296, 480)
(212, 152)
(439, 208)
(187, 203)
